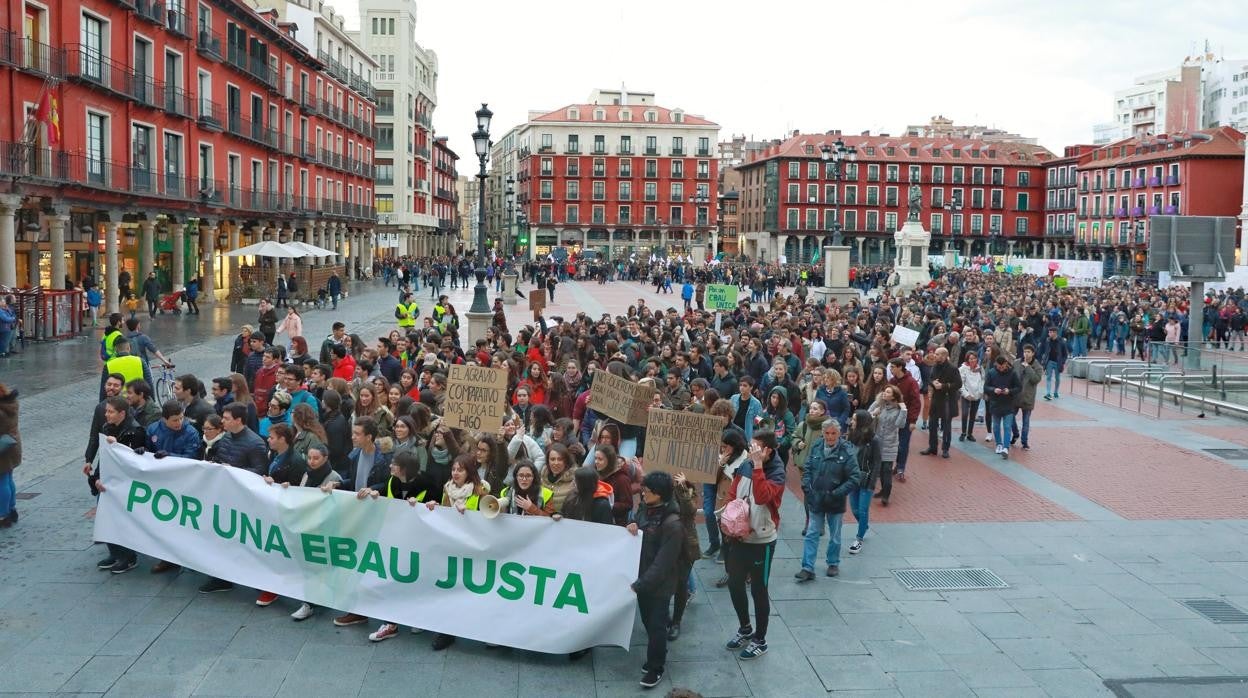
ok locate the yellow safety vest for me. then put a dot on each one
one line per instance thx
(129, 366)
(390, 491)
(109, 340)
(547, 493)
(408, 311)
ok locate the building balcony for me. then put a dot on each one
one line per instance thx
(151, 11)
(1121, 213)
(1137, 211)
(704, 152)
(1154, 181)
(208, 43)
(1141, 183)
(546, 149)
(652, 151)
(573, 150)
(1096, 188)
(678, 152)
(176, 22)
(209, 114)
(996, 206)
(1172, 180)
(1172, 210)
(624, 150)
(1154, 210)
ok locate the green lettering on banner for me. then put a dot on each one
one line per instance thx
(572, 594)
(452, 564)
(721, 297)
(542, 574)
(413, 567)
(370, 561)
(216, 522)
(249, 526)
(165, 495)
(342, 552)
(191, 509)
(140, 493)
(511, 586)
(471, 584)
(275, 541)
(313, 548)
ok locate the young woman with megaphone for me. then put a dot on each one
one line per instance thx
(526, 497)
(464, 491)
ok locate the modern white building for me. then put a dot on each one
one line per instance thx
(406, 81)
(1226, 94)
(1163, 102)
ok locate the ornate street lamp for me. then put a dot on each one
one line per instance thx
(481, 141)
(510, 193)
(837, 153)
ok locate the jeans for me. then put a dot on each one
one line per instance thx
(1081, 345)
(708, 513)
(860, 503)
(1052, 378)
(654, 616)
(886, 479)
(1023, 418)
(8, 494)
(1002, 429)
(903, 448)
(970, 408)
(816, 520)
(6, 341)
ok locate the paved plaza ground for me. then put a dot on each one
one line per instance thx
(1100, 531)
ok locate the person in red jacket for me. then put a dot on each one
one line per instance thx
(759, 481)
(900, 377)
(344, 363)
(610, 471)
(266, 378)
(535, 380)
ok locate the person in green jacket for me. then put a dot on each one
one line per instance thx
(777, 412)
(1079, 329)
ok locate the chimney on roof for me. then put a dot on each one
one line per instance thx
(866, 133)
(797, 132)
(883, 135)
(833, 132)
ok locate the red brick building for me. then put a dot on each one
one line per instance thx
(186, 130)
(618, 175)
(1123, 184)
(445, 196)
(981, 195)
(1060, 199)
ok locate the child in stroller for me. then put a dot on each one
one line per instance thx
(322, 298)
(172, 302)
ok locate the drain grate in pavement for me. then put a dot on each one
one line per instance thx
(1229, 453)
(1217, 610)
(949, 579)
(27, 495)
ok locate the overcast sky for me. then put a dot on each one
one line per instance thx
(1043, 69)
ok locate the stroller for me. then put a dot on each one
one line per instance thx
(322, 299)
(172, 302)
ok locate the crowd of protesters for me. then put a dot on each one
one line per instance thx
(818, 392)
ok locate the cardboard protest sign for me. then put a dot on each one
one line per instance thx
(684, 442)
(537, 301)
(621, 399)
(476, 397)
(721, 297)
(905, 336)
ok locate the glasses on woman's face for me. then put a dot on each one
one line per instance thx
(483, 449)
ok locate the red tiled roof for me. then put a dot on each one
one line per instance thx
(612, 115)
(1214, 142)
(988, 152)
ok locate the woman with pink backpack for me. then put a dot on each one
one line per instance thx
(750, 524)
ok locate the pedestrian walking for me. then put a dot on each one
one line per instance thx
(10, 455)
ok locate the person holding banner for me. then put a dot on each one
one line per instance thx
(464, 491)
(559, 475)
(118, 427)
(527, 497)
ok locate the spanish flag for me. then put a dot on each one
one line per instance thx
(49, 115)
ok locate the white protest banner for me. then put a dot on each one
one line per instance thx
(905, 336)
(476, 397)
(493, 580)
(684, 442)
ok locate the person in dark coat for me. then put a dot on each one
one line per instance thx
(151, 293)
(946, 386)
(657, 575)
(267, 321)
(334, 286)
(119, 427)
(1003, 389)
(10, 455)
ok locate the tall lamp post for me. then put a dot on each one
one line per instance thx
(481, 139)
(509, 244)
(837, 153)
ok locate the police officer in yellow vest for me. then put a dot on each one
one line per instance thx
(125, 364)
(439, 314)
(406, 312)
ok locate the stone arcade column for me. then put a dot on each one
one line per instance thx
(56, 233)
(111, 303)
(207, 246)
(179, 253)
(147, 252)
(9, 203)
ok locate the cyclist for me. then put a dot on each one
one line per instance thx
(141, 344)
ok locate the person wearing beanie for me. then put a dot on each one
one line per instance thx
(659, 517)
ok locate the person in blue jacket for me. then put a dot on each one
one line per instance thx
(1052, 354)
(745, 407)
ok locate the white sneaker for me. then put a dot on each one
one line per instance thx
(385, 632)
(304, 612)
(988, 437)
(855, 546)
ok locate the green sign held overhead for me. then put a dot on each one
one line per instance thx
(721, 297)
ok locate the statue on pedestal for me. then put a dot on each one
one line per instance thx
(916, 202)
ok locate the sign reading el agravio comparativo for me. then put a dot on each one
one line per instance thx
(476, 397)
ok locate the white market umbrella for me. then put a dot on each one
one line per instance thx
(267, 248)
(309, 250)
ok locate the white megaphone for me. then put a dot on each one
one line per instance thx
(490, 505)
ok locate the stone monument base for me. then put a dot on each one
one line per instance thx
(910, 264)
(839, 296)
(478, 323)
(510, 281)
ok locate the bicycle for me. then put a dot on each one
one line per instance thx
(164, 384)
